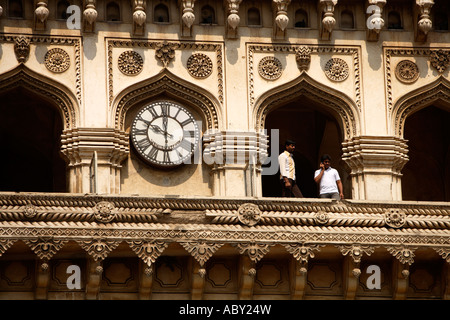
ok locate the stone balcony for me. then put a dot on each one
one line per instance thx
(269, 247)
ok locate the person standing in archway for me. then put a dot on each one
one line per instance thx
(289, 187)
(328, 179)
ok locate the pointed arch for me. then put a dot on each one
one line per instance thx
(50, 90)
(416, 100)
(166, 83)
(335, 102)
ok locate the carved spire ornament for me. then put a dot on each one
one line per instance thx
(233, 18)
(281, 20)
(374, 21)
(424, 24)
(40, 15)
(90, 15)
(139, 16)
(328, 21)
(187, 17)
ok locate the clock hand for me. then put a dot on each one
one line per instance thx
(156, 128)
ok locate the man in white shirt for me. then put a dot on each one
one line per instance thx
(289, 186)
(328, 180)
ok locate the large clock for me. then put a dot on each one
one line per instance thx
(165, 133)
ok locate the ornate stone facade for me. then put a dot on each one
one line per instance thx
(366, 81)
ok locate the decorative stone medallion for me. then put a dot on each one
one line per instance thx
(395, 218)
(270, 68)
(57, 60)
(249, 214)
(30, 211)
(336, 69)
(130, 63)
(321, 217)
(199, 66)
(104, 211)
(407, 71)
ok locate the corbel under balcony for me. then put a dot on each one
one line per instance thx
(327, 20)
(233, 19)
(374, 22)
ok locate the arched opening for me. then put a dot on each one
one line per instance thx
(207, 15)
(112, 12)
(301, 19)
(161, 14)
(441, 13)
(316, 132)
(15, 9)
(394, 20)
(61, 10)
(253, 17)
(30, 136)
(347, 20)
(426, 176)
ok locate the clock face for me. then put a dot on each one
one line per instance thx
(165, 133)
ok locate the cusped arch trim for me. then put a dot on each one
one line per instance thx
(342, 107)
(416, 100)
(166, 83)
(50, 90)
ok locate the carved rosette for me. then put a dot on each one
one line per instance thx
(403, 254)
(201, 251)
(249, 214)
(336, 69)
(407, 71)
(30, 211)
(356, 251)
(440, 60)
(57, 60)
(45, 248)
(270, 68)
(395, 218)
(22, 48)
(98, 249)
(165, 52)
(130, 63)
(321, 217)
(303, 58)
(255, 251)
(199, 66)
(302, 252)
(148, 251)
(104, 211)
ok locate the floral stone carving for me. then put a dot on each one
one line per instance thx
(104, 211)
(57, 60)
(440, 60)
(336, 69)
(130, 63)
(199, 66)
(407, 71)
(270, 68)
(395, 218)
(249, 214)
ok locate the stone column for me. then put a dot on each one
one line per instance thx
(111, 147)
(236, 158)
(376, 163)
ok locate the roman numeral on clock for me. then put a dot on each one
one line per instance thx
(143, 144)
(153, 153)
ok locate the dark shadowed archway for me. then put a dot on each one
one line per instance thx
(30, 138)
